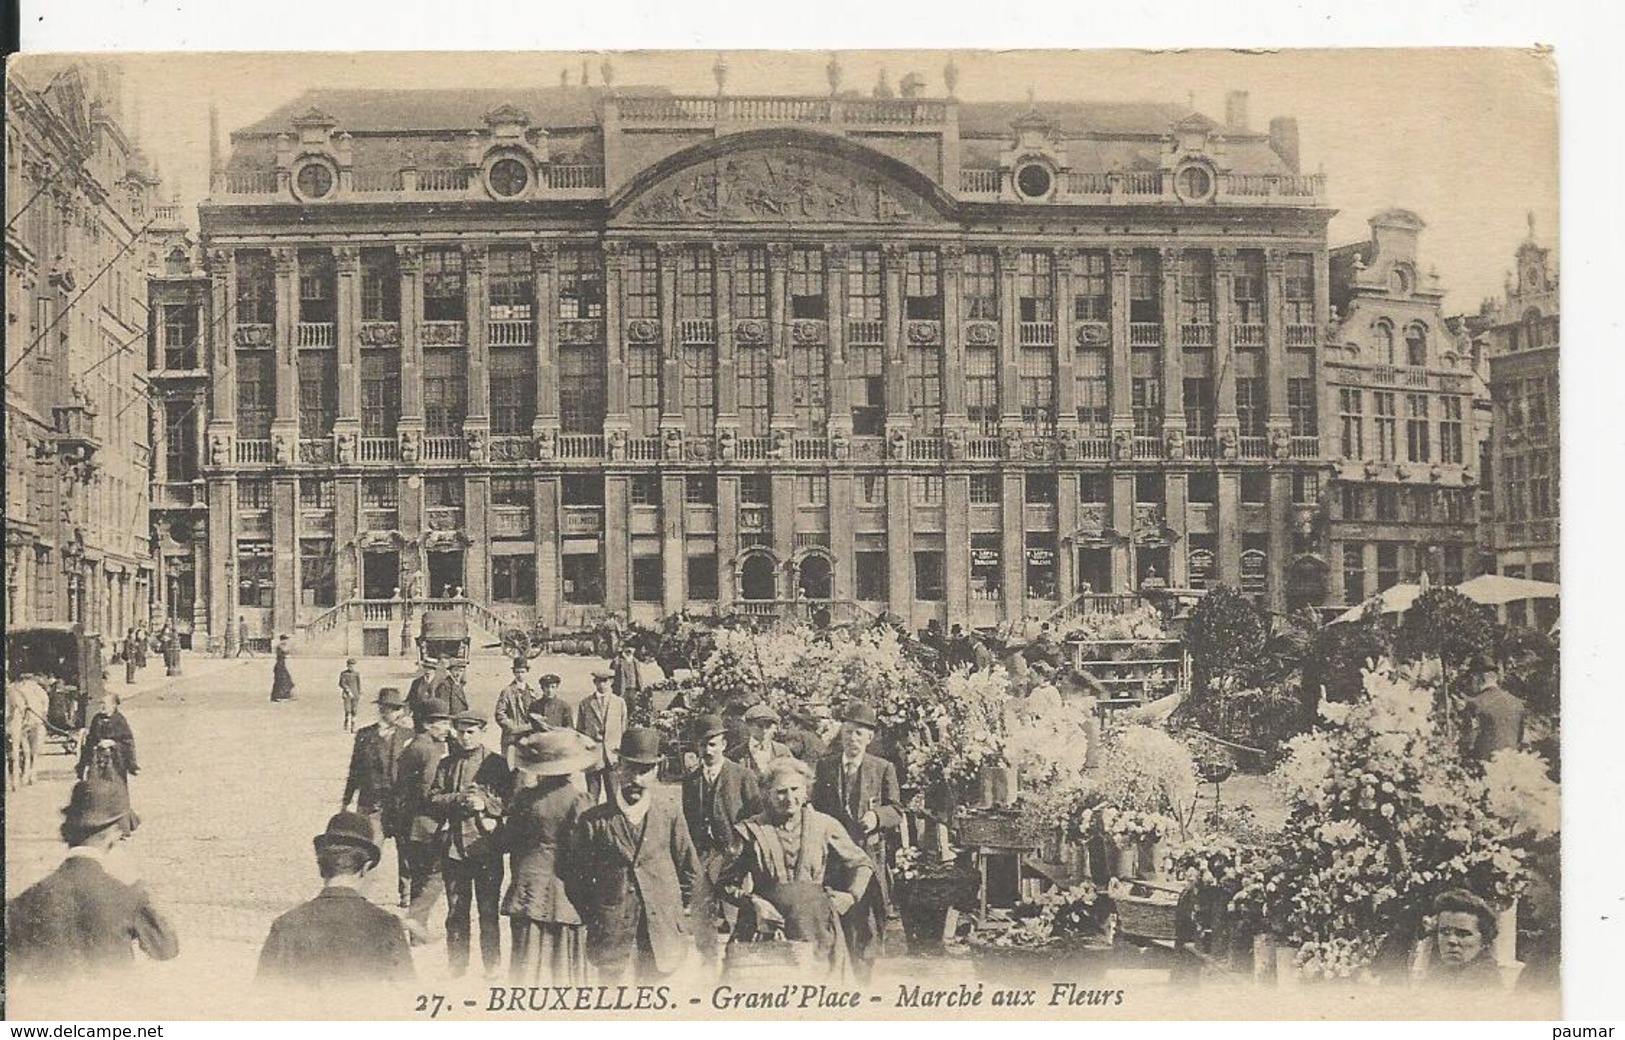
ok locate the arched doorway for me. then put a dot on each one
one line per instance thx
(757, 579)
(816, 577)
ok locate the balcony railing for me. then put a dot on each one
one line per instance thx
(1249, 334)
(1199, 448)
(442, 334)
(1272, 185)
(378, 449)
(1145, 334)
(578, 446)
(925, 449)
(314, 334)
(376, 180)
(696, 330)
(454, 179)
(1305, 447)
(1196, 335)
(1302, 335)
(443, 449)
(809, 449)
(753, 449)
(574, 177)
(1095, 449)
(1140, 183)
(1148, 447)
(984, 449)
(979, 182)
(778, 109)
(1255, 448)
(865, 333)
(251, 182)
(1037, 334)
(253, 452)
(643, 449)
(510, 332)
(1081, 183)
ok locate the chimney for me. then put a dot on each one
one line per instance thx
(1235, 109)
(1284, 140)
(214, 139)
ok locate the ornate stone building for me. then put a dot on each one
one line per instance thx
(81, 204)
(572, 350)
(1400, 392)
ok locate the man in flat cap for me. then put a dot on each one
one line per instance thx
(453, 688)
(716, 796)
(512, 711)
(549, 711)
(601, 718)
(633, 870)
(338, 938)
(761, 747)
(371, 781)
(82, 921)
(470, 787)
(415, 826)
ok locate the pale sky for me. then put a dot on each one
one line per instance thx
(1466, 137)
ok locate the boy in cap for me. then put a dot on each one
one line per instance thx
(512, 712)
(415, 827)
(374, 758)
(349, 692)
(338, 938)
(601, 718)
(471, 785)
(548, 711)
(81, 920)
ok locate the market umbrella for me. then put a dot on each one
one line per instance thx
(1395, 600)
(1495, 589)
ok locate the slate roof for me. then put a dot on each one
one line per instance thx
(437, 109)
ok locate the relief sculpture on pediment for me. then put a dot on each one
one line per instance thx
(782, 186)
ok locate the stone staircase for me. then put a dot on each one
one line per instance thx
(373, 627)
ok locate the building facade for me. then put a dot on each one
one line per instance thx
(577, 350)
(80, 204)
(1402, 387)
(1522, 340)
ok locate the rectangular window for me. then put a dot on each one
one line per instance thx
(443, 285)
(581, 389)
(1417, 447)
(318, 584)
(1039, 489)
(256, 393)
(1388, 503)
(380, 392)
(1202, 487)
(871, 489)
(643, 365)
(1091, 382)
(809, 387)
(1035, 286)
(1422, 499)
(1091, 288)
(982, 387)
(315, 493)
(696, 284)
(1196, 287)
(1036, 385)
(180, 447)
(1300, 289)
(253, 494)
(986, 566)
(808, 294)
(644, 489)
(511, 285)
(812, 490)
(379, 493)
(700, 489)
(1540, 486)
(750, 283)
(866, 385)
(1040, 565)
(922, 285)
(1450, 430)
(702, 577)
(648, 579)
(1387, 565)
(755, 414)
(256, 288)
(513, 578)
(1349, 406)
(986, 489)
(180, 327)
(928, 576)
(256, 581)
(1145, 393)
(380, 285)
(1252, 405)
(700, 389)
(443, 492)
(581, 489)
(755, 490)
(1300, 407)
(1247, 287)
(865, 286)
(927, 489)
(513, 391)
(317, 286)
(1453, 503)
(980, 285)
(1094, 487)
(1386, 425)
(874, 583)
(512, 491)
(582, 575)
(1255, 487)
(445, 392)
(1144, 287)
(1199, 417)
(1353, 501)
(925, 389)
(640, 277)
(580, 283)
(1453, 565)
(1353, 573)
(1305, 488)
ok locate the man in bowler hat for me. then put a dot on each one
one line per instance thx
(471, 785)
(371, 781)
(601, 718)
(338, 938)
(1494, 716)
(81, 921)
(716, 796)
(633, 871)
(512, 711)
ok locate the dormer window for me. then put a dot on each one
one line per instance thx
(508, 177)
(314, 180)
(1194, 182)
(1034, 180)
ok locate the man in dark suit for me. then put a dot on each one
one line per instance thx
(716, 796)
(422, 686)
(548, 710)
(371, 782)
(453, 688)
(1494, 716)
(633, 869)
(627, 684)
(762, 746)
(512, 711)
(338, 938)
(862, 792)
(470, 787)
(81, 921)
(108, 749)
(415, 827)
(601, 718)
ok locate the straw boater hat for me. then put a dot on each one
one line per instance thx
(349, 830)
(557, 752)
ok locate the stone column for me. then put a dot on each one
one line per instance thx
(1121, 380)
(1275, 352)
(476, 307)
(1224, 350)
(673, 543)
(543, 258)
(1066, 410)
(953, 345)
(956, 560)
(1176, 493)
(840, 386)
(220, 341)
(842, 544)
(671, 347)
(285, 424)
(222, 563)
(900, 546)
(1066, 521)
(615, 389)
(617, 543)
(727, 381)
(347, 302)
(1173, 361)
(781, 393)
(346, 529)
(893, 259)
(409, 259)
(549, 589)
(476, 526)
(1280, 543)
(1010, 338)
(1229, 540)
(727, 537)
(1122, 521)
(285, 554)
(1013, 550)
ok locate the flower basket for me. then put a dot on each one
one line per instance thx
(1068, 957)
(1154, 910)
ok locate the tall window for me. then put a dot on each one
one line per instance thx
(1450, 430)
(982, 387)
(1300, 407)
(580, 283)
(511, 285)
(640, 275)
(318, 583)
(380, 392)
(871, 488)
(700, 388)
(1090, 375)
(1037, 386)
(927, 489)
(1387, 565)
(317, 285)
(751, 365)
(1199, 417)
(379, 493)
(513, 391)
(1252, 405)
(1144, 286)
(1540, 486)
(1350, 407)
(1352, 502)
(1386, 425)
(928, 576)
(1416, 345)
(925, 388)
(643, 388)
(980, 285)
(256, 288)
(256, 581)
(1353, 573)
(1300, 289)
(702, 577)
(1196, 287)
(1517, 488)
(867, 388)
(1387, 503)
(380, 285)
(1145, 393)
(445, 392)
(700, 489)
(1385, 344)
(443, 492)
(809, 386)
(512, 491)
(256, 393)
(1535, 415)
(696, 284)
(1416, 428)
(180, 327)
(1035, 286)
(443, 285)
(513, 578)
(922, 285)
(750, 283)
(581, 389)
(812, 490)
(1247, 287)
(865, 286)
(1091, 289)
(874, 579)
(180, 444)
(318, 392)
(986, 489)
(808, 295)
(644, 489)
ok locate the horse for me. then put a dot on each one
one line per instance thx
(26, 705)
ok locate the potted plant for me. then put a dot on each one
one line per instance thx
(1047, 938)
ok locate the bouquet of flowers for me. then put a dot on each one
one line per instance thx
(958, 732)
(1057, 916)
(1128, 828)
(1145, 623)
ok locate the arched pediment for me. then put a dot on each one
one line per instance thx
(780, 176)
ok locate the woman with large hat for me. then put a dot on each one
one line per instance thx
(549, 946)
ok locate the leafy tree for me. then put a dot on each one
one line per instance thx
(1338, 654)
(1226, 637)
(1445, 624)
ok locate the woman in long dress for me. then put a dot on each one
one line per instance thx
(549, 943)
(281, 678)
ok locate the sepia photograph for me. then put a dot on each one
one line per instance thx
(911, 534)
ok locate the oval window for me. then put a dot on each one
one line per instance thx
(315, 180)
(1034, 180)
(508, 177)
(1195, 182)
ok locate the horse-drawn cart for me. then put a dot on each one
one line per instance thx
(67, 662)
(443, 634)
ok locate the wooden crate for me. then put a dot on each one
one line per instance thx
(1153, 909)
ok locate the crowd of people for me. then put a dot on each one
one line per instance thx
(139, 642)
